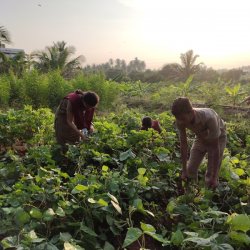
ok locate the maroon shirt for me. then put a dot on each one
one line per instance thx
(82, 116)
(156, 125)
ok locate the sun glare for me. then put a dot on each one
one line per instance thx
(213, 29)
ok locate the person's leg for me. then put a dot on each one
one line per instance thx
(215, 171)
(197, 154)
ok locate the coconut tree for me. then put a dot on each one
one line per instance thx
(56, 57)
(4, 36)
(188, 66)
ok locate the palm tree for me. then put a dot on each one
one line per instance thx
(188, 66)
(58, 57)
(4, 36)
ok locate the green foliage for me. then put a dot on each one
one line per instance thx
(234, 93)
(35, 89)
(121, 189)
(57, 88)
(5, 91)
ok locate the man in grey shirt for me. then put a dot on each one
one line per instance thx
(210, 131)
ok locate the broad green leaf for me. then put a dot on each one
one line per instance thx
(60, 212)
(102, 202)
(147, 227)
(177, 238)
(87, 230)
(163, 157)
(22, 217)
(240, 237)
(36, 213)
(141, 171)
(235, 160)
(157, 237)
(65, 236)
(105, 168)
(202, 241)
(239, 171)
(9, 242)
(108, 246)
(239, 222)
(171, 206)
(8, 210)
(49, 214)
(79, 188)
(127, 154)
(132, 235)
(110, 219)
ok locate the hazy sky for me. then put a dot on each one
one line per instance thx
(156, 31)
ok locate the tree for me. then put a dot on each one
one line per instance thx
(188, 66)
(206, 74)
(136, 65)
(4, 36)
(58, 57)
(169, 71)
(16, 64)
(232, 75)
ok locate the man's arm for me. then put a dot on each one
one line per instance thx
(184, 151)
(70, 119)
(88, 118)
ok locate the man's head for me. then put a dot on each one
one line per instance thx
(146, 122)
(90, 99)
(182, 110)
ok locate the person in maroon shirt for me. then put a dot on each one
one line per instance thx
(147, 123)
(75, 113)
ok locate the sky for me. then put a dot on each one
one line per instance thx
(155, 31)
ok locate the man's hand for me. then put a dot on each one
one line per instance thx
(91, 129)
(84, 137)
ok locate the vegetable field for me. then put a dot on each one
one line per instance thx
(121, 190)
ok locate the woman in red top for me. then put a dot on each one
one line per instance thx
(147, 123)
(74, 113)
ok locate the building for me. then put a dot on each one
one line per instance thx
(11, 52)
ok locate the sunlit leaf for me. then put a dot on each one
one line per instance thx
(147, 227)
(113, 198)
(60, 212)
(91, 200)
(79, 188)
(239, 222)
(49, 214)
(117, 207)
(141, 171)
(102, 202)
(36, 213)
